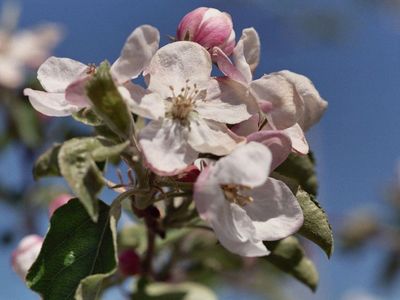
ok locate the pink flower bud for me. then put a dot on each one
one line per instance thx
(209, 27)
(129, 262)
(60, 200)
(25, 254)
(189, 175)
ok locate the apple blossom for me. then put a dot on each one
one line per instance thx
(243, 205)
(25, 254)
(209, 27)
(188, 109)
(64, 79)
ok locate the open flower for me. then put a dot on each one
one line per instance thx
(243, 205)
(26, 253)
(188, 108)
(289, 100)
(64, 79)
(209, 27)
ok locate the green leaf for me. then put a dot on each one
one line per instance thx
(81, 172)
(47, 163)
(181, 291)
(88, 117)
(108, 103)
(288, 256)
(316, 226)
(74, 248)
(77, 160)
(302, 169)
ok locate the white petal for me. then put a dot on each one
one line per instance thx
(50, 104)
(175, 63)
(236, 232)
(165, 147)
(287, 106)
(11, 72)
(250, 49)
(142, 102)
(275, 212)
(247, 165)
(227, 67)
(227, 101)
(136, 54)
(314, 105)
(75, 93)
(212, 137)
(247, 127)
(240, 62)
(299, 142)
(55, 74)
(26, 253)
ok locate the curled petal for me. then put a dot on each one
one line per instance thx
(277, 141)
(55, 74)
(314, 105)
(248, 52)
(165, 147)
(227, 102)
(142, 102)
(226, 66)
(299, 142)
(136, 54)
(176, 65)
(50, 104)
(275, 211)
(287, 106)
(206, 136)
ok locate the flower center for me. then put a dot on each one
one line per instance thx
(184, 103)
(236, 193)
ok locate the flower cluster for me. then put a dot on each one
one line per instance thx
(226, 134)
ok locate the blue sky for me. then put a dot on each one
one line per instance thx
(353, 57)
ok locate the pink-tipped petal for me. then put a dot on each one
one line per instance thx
(226, 66)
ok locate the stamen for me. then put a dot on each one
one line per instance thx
(234, 193)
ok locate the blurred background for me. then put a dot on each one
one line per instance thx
(351, 51)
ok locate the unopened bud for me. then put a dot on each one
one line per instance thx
(25, 254)
(129, 262)
(209, 27)
(57, 202)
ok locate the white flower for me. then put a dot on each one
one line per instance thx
(290, 101)
(64, 79)
(243, 205)
(26, 253)
(188, 108)
(26, 48)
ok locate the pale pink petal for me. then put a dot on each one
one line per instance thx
(177, 65)
(280, 92)
(50, 104)
(212, 137)
(75, 93)
(25, 254)
(55, 74)
(248, 165)
(136, 54)
(248, 51)
(142, 102)
(226, 66)
(299, 142)
(314, 105)
(165, 147)
(277, 141)
(240, 62)
(247, 127)
(227, 101)
(11, 72)
(275, 212)
(190, 23)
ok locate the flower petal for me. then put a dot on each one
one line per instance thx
(314, 105)
(55, 74)
(275, 212)
(176, 63)
(136, 54)
(248, 50)
(165, 147)
(142, 102)
(248, 165)
(206, 136)
(287, 106)
(247, 127)
(50, 104)
(299, 142)
(227, 102)
(226, 66)
(75, 93)
(277, 141)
